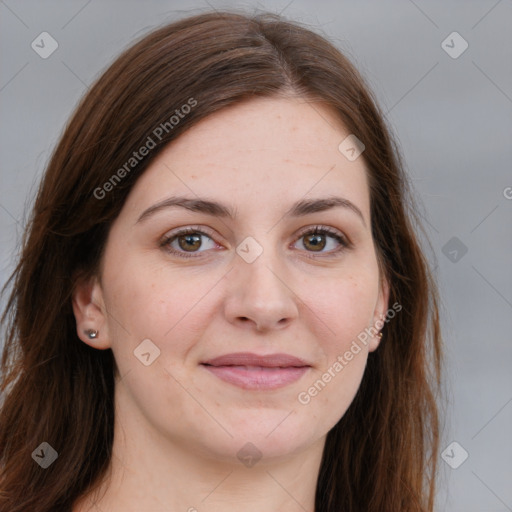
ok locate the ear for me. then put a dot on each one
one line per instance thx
(90, 312)
(379, 314)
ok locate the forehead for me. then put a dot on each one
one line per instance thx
(265, 152)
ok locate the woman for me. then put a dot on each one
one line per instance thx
(221, 301)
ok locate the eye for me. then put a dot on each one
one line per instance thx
(187, 240)
(317, 239)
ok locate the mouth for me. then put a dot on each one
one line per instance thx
(254, 372)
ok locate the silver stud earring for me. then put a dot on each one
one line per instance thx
(91, 333)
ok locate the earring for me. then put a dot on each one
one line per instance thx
(379, 335)
(91, 333)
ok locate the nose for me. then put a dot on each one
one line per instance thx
(260, 295)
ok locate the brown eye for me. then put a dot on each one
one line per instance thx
(189, 242)
(321, 238)
(315, 242)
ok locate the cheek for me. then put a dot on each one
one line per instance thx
(170, 307)
(339, 312)
(343, 308)
(153, 307)
(162, 307)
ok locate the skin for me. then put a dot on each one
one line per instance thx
(179, 428)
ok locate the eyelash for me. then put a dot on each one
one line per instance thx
(317, 230)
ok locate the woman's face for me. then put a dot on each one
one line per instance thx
(249, 277)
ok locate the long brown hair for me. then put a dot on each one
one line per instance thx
(381, 456)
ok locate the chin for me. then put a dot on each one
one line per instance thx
(271, 436)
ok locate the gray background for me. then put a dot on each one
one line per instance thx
(453, 118)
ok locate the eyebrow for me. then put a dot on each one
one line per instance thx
(298, 209)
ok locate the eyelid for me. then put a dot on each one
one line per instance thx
(322, 229)
(192, 228)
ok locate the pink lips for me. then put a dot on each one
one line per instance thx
(251, 371)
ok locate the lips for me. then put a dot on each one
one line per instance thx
(254, 372)
(250, 359)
